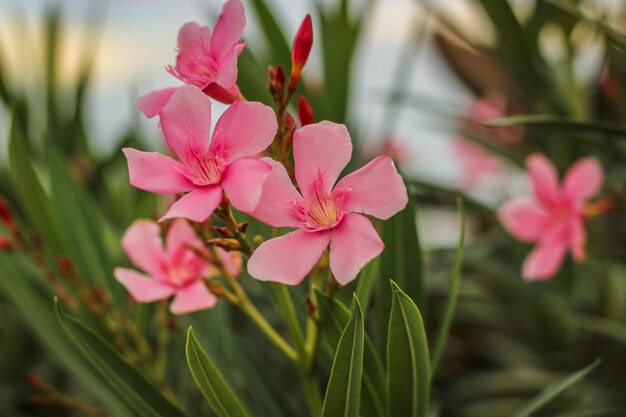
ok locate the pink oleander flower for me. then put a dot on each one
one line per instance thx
(206, 167)
(174, 270)
(322, 214)
(477, 163)
(555, 219)
(206, 60)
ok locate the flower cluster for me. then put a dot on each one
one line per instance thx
(249, 161)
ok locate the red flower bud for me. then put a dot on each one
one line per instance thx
(305, 112)
(36, 382)
(5, 213)
(65, 265)
(5, 244)
(279, 78)
(301, 48)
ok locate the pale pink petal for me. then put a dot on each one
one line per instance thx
(227, 69)
(246, 128)
(376, 189)
(197, 205)
(152, 103)
(583, 180)
(228, 29)
(353, 243)
(578, 238)
(180, 235)
(186, 123)
(142, 288)
(544, 179)
(143, 245)
(243, 182)
(151, 171)
(194, 39)
(524, 220)
(276, 206)
(232, 261)
(192, 297)
(544, 260)
(288, 259)
(321, 151)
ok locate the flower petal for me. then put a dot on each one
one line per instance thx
(321, 151)
(288, 259)
(192, 297)
(232, 261)
(276, 206)
(245, 129)
(154, 172)
(578, 238)
(376, 189)
(583, 180)
(524, 220)
(227, 68)
(142, 288)
(186, 123)
(179, 235)
(544, 260)
(142, 243)
(197, 205)
(193, 39)
(152, 103)
(544, 178)
(243, 182)
(228, 29)
(353, 243)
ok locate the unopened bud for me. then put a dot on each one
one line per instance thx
(65, 265)
(225, 243)
(258, 240)
(223, 231)
(305, 112)
(6, 216)
(36, 382)
(216, 289)
(98, 295)
(242, 227)
(300, 51)
(279, 78)
(6, 244)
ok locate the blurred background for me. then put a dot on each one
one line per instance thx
(414, 79)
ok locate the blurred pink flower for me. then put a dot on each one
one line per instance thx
(321, 213)
(206, 60)
(207, 166)
(390, 147)
(477, 163)
(174, 270)
(556, 217)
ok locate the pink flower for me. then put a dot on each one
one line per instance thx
(171, 271)
(206, 60)
(206, 167)
(322, 214)
(555, 220)
(477, 163)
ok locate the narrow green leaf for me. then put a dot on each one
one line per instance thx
(35, 307)
(401, 260)
(453, 293)
(32, 197)
(125, 379)
(344, 387)
(408, 366)
(210, 381)
(280, 53)
(553, 390)
(553, 123)
(334, 317)
(82, 231)
(368, 278)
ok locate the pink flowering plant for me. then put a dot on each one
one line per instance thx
(262, 261)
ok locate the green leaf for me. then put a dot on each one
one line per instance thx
(35, 307)
(401, 260)
(208, 378)
(368, 278)
(280, 53)
(32, 197)
(334, 317)
(344, 387)
(553, 390)
(453, 293)
(82, 231)
(125, 379)
(408, 366)
(564, 125)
